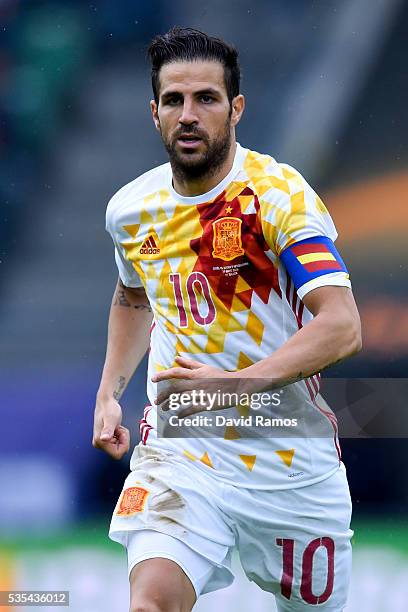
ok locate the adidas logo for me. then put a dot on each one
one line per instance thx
(149, 247)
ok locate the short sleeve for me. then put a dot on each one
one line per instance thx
(127, 272)
(292, 211)
(300, 231)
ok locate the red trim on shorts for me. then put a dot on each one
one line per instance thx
(144, 427)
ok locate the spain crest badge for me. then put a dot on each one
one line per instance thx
(227, 242)
(132, 501)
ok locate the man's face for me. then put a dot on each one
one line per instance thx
(194, 116)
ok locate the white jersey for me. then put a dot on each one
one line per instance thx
(225, 273)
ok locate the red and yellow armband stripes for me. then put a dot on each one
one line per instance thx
(313, 258)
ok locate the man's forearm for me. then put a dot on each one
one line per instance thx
(128, 339)
(313, 348)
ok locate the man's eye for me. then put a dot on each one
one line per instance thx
(207, 99)
(172, 101)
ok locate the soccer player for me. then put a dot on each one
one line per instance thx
(227, 257)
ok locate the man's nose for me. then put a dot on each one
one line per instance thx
(188, 115)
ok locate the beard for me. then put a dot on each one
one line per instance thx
(187, 166)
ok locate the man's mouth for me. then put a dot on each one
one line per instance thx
(189, 140)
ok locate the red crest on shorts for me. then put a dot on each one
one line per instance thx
(132, 501)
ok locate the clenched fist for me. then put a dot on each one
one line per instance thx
(108, 434)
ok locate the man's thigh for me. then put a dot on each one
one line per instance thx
(164, 569)
(296, 544)
(160, 584)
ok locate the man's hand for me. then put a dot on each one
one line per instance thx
(191, 370)
(109, 435)
(193, 376)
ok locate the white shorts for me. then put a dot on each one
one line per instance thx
(294, 543)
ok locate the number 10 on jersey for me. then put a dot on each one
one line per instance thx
(196, 284)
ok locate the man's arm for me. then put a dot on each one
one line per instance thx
(332, 335)
(128, 339)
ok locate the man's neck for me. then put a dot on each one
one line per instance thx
(194, 187)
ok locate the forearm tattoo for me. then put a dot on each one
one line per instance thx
(303, 375)
(119, 389)
(121, 300)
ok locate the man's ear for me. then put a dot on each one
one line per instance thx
(155, 114)
(238, 106)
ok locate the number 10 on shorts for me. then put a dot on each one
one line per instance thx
(306, 587)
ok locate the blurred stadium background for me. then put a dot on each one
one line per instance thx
(327, 91)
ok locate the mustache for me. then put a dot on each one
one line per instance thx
(190, 132)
